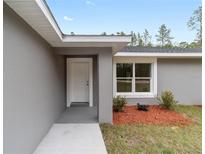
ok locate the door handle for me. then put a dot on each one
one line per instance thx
(87, 83)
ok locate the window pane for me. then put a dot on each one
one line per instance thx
(142, 70)
(124, 70)
(142, 85)
(124, 85)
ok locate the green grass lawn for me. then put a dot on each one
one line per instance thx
(155, 139)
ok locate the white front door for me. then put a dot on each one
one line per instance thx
(79, 80)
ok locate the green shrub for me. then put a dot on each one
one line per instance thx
(166, 100)
(118, 103)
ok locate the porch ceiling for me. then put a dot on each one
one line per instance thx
(38, 15)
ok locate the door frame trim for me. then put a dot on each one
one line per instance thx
(68, 85)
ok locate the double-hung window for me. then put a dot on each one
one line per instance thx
(134, 79)
(124, 77)
(142, 77)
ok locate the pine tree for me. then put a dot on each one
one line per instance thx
(195, 23)
(164, 37)
(147, 38)
(72, 33)
(139, 40)
(104, 33)
(133, 39)
(121, 33)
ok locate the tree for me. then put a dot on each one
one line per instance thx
(194, 45)
(133, 39)
(139, 40)
(149, 44)
(147, 38)
(72, 33)
(164, 37)
(195, 23)
(188, 45)
(104, 33)
(183, 45)
(121, 33)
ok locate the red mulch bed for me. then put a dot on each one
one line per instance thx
(200, 106)
(155, 115)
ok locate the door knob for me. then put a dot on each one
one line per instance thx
(87, 83)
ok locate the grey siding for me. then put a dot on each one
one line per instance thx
(104, 76)
(182, 76)
(34, 88)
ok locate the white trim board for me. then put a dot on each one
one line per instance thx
(68, 92)
(49, 16)
(160, 55)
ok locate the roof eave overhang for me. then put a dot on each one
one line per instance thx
(116, 42)
(38, 15)
(159, 55)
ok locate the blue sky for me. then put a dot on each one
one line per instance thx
(111, 16)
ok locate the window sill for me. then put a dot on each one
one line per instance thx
(144, 95)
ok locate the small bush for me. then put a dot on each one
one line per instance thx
(166, 100)
(118, 103)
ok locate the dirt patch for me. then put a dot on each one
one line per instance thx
(155, 115)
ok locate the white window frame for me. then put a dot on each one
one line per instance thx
(136, 60)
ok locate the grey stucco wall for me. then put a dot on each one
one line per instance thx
(34, 88)
(104, 74)
(105, 86)
(134, 101)
(95, 82)
(182, 76)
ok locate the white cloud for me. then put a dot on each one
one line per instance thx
(68, 18)
(88, 2)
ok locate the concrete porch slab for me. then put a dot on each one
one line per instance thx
(73, 139)
(79, 114)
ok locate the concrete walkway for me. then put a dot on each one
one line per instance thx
(73, 139)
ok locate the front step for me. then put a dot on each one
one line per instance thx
(79, 104)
